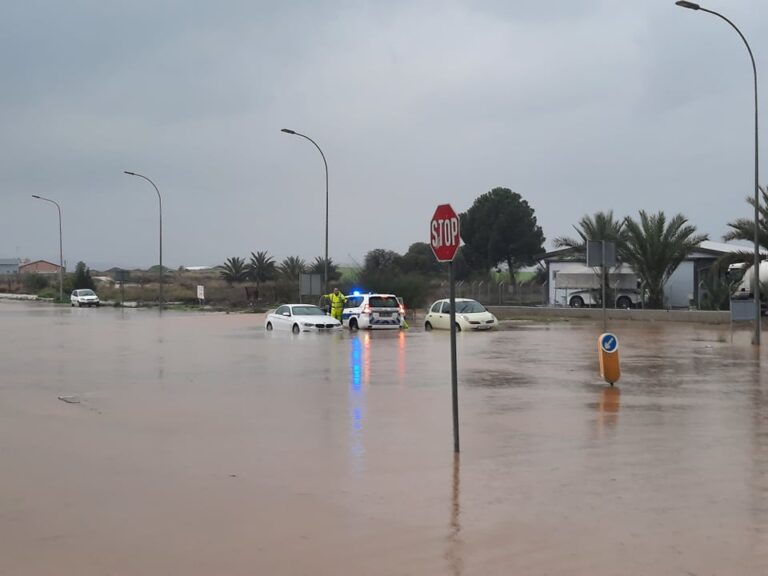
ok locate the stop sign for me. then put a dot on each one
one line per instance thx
(444, 234)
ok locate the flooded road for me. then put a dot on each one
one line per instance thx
(198, 444)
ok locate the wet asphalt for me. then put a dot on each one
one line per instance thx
(196, 443)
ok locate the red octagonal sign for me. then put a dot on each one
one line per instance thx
(444, 234)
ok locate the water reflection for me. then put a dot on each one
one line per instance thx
(759, 478)
(609, 407)
(360, 371)
(454, 554)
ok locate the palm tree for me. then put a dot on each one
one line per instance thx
(600, 226)
(292, 267)
(744, 228)
(655, 248)
(234, 270)
(318, 267)
(262, 267)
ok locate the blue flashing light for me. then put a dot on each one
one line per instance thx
(356, 293)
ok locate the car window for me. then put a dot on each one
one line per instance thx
(384, 302)
(436, 307)
(446, 307)
(353, 302)
(469, 307)
(307, 311)
(281, 310)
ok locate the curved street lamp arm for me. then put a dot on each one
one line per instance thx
(325, 163)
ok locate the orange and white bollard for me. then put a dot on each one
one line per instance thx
(608, 350)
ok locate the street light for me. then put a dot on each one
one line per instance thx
(756, 268)
(61, 250)
(325, 263)
(160, 200)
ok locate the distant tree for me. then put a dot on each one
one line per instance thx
(262, 267)
(655, 248)
(744, 228)
(318, 267)
(292, 267)
(501, 227)
(600, 226)
(82, 277)
(34, 283)
(714, 291)
(380, 261)
(234, 270)
(421, 260)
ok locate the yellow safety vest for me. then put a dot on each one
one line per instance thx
(337, 300)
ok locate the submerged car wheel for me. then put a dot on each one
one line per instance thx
(458, 327)
(296, 329)
(577, 302)
(624, 302)
(353, 324)
(427, 326)
(269, 326)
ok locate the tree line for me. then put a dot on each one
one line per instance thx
(500, 230)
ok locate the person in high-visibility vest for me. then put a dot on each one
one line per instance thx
(337, 300)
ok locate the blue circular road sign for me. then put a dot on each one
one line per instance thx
(609, 342)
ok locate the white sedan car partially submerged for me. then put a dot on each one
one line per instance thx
(300, 318)
(470, 315)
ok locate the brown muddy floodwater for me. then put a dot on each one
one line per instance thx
(197, 444)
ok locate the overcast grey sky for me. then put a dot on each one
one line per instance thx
(578, 105)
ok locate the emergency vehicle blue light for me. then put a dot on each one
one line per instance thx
(356, 293)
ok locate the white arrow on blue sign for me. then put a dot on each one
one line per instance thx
(609, 342)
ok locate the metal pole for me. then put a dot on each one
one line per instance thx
(160, 201)
(325, 163)
(602, 281)
(454, 374)
(756, 279)
(61, 249)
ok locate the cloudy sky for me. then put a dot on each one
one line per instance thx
(578, 105)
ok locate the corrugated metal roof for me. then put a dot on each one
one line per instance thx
(9, 261)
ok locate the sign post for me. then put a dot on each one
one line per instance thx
(444, 238)
(201, 294)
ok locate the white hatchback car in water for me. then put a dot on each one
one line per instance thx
(84, 297)
(300, 318)
(470, 315)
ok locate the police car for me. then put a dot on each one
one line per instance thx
(373, 312)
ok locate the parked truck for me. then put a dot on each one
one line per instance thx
(578, 287)
(742, 276)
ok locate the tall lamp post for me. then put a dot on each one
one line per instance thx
(325, 270)
(160, 201)
(756, 268)
(61, 249)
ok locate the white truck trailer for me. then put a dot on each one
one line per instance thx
(579, 286)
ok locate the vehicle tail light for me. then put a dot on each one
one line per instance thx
(367, 310)
(402, 310)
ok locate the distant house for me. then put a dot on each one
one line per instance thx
(682, 290)
(9, 266)
(39, 267)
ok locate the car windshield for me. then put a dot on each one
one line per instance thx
(85, 293)
(384, 302)
(470, 307)
(307, 311)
